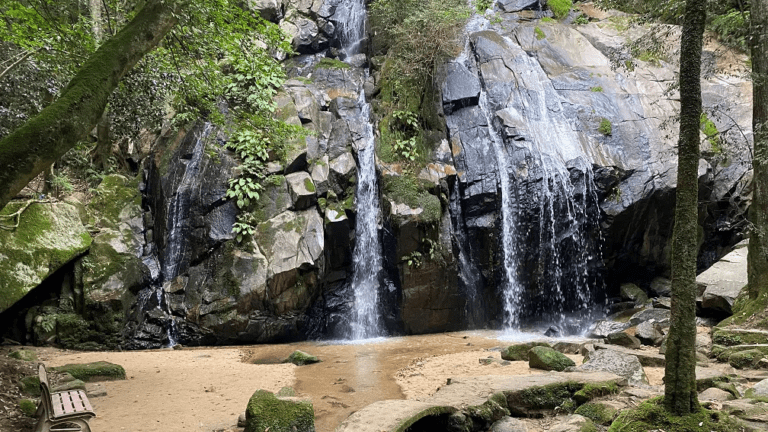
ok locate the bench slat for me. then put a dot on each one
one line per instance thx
(66, 402)
(58, 407)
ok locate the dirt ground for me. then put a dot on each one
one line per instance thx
(206, 389)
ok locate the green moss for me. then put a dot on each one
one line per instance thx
(560, 8)
(415, 194)
(286, 392)
(729, 338)
(23, 355)
(651, 415)
(544, 397)
(309, 185)
(267, 412)
(520, 352)
(329, 63)
(596, 89)
(594, 390)
(96, 371)
(744, 308)
(300, 358)
(28, 407)
(30, 385)
(539, 33)
(605, 127)
(588, 426)
(597, 412)
(547, 20)
(491, 410)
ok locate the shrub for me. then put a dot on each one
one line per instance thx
(560, 8)
(605, 127)
(539, 33)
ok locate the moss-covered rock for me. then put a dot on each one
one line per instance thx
(300, 358)
(729, 337)
(541, 357)
(745, 359)
(30, 385)
(96, 371)
(23, 355)
(597, 412)
(414, 193)
(651, 415)
(591, 391)
(267, 412)
(28, 407)
(48, 236)
(286, 392)
(520, 352)
(548, 397)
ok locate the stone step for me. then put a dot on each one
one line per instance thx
(722, 353)
(646, 358)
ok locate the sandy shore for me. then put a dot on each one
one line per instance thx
(206, 389)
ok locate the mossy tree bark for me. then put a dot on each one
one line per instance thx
(758, 213)
(45, 138)
(680, 396)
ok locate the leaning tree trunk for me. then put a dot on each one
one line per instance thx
(758, 212)
(680, 396)
(45, 138)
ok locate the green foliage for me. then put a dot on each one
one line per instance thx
(30, 385)
(23, 355)
(482, 5)
(547, 20)
(412, 259)
(732, 28)
(406, 125)
(414, 193)
(539, 33)
(597, 89)
(560, 8)
(710, 130)
(605, 127)
(581, 20)
(651, 415)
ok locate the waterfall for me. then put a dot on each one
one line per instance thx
(511, 289)
(468, 273)
(365, 322)
(551, 202)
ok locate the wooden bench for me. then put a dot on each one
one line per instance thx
(62, 411)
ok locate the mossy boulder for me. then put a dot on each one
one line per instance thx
(651, 415)
(96, 371)
(541, 357)
(28, 407)
(597, 412)
(23, 355)
(300, 358)
(745, 359)
(520, 352)
(266, 412)
(623, 339)
(48, 236)
(632, 292)
(75, 384)
(594, 390)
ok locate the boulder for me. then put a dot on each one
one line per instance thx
(541, 357)
(270, 10)
(630, 291)
(461, 87)
(266, 412)
(509, 424)
(518, 5)
(724, 281)
(302, 190)
(48, 236)
(625, 365)
(519, 352)
(623, 339)
(662, 303)
(603, 328)
(745, 359)
(573, 422)
(96, 371)
(649, 333)
(760, 388)
(23, 355)
(661, 286)
(716, 395)
(660, 316)
(300, 358)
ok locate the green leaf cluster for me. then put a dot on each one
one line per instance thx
(560, 8)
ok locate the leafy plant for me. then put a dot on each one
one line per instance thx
(581, 20)
(710, 130)
(597, 89)
(732, 28)
(483, 5)
(560, 8)
(539, 33)
(605, 127)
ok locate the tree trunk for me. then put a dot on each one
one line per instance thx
(757, 259)
(680, 396)
(45, 138)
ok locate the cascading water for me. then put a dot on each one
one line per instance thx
(468, 274)
(365, 322)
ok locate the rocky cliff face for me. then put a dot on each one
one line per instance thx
(587, 132)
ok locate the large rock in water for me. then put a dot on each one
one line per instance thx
(47, 237)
